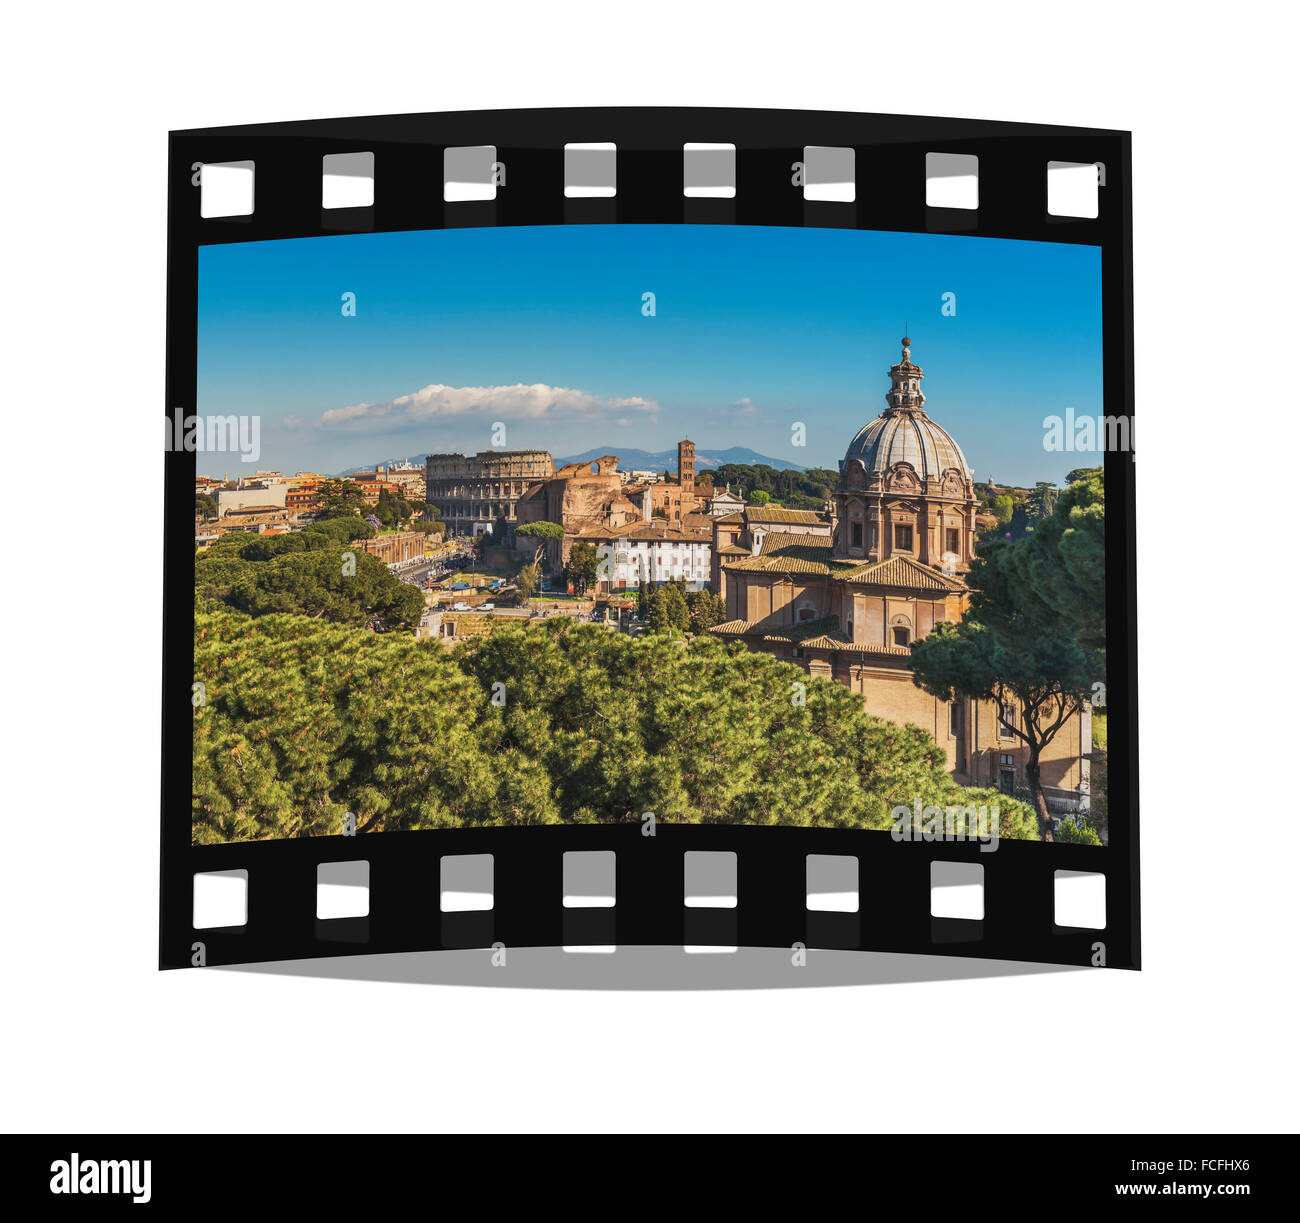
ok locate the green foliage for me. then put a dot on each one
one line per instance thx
(666, 608)
(703, 732)
(540, 530)
(305, 721)
(205, 505)
(1004, 506)
(1040, 502)
(1064, 566)
(348, 524)
(527, 582)
(393, 509)
(1049, 675)
(1034, 637)
(580, 571)
(706, 610)
(306, 573)
(760, 496)
(1068, 832)
(346, 495)
(799, 489)
(1055, 581)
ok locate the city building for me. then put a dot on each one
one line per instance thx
(743, 534)
(394, 547)
(259, 519)
(847, 604)
(670, 499)
(579, 495)
(407, 477)
(251, 494)
(471, 493)
(723, 502)
(303, 496)
(647, 553)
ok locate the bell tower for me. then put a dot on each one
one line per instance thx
(686, 470)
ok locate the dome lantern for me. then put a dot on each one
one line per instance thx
(904, 393)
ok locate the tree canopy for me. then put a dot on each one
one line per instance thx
(346, 495)
(527, 581)
(311, 573)
(305, 721)
(666, 608)
(393, 509)
(540, 530)
(706, 608)
(796, 489)
(1033, 640)
(581, 569)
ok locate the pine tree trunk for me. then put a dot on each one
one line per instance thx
(1034, 775)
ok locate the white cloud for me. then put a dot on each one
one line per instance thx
(518, 402)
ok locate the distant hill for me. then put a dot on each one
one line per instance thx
(660, 460)
(635, 460)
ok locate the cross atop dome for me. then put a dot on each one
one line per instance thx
(904, 394)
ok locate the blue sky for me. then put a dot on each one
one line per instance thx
(542, 328)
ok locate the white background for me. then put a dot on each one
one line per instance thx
(95, 1037)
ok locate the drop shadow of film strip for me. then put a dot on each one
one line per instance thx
(698, 886)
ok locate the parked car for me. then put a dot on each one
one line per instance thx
(460, 607)
(487, 607)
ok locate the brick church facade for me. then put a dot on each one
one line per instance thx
(843, 595)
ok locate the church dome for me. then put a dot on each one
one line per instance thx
(903, 433)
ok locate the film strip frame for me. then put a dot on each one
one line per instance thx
(771, 900)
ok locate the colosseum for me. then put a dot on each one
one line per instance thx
(472, 493)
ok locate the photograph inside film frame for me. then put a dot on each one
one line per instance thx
(601, 524)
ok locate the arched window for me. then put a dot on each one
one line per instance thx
(900, 635)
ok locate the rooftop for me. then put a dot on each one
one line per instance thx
(822, 634)
(905, 574)
(657, 529)
(811, 554)
(778, 513)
